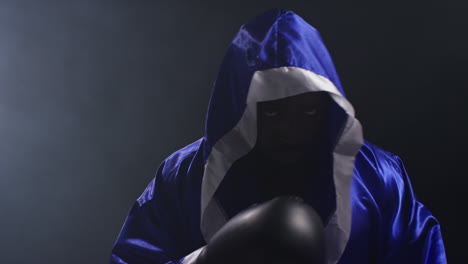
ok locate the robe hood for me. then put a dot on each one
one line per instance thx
(273, 56)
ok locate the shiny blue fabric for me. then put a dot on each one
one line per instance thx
(389, 224)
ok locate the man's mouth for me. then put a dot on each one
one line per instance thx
(288, 155)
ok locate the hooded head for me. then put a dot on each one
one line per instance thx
(277, 105)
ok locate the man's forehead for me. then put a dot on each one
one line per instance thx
(309, 98)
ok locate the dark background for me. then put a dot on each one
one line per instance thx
(95, 94)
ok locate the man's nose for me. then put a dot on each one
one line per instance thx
(289, 131)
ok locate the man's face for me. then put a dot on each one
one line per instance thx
(291, 129)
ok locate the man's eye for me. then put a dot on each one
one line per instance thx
(311, 112)
(270, 113)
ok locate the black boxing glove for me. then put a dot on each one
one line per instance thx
(282, 230)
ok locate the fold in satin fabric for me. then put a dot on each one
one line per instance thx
(369, 202)
(389, 224)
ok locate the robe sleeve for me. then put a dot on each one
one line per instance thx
(149, 234)
(414, 233)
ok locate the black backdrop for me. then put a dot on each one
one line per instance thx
(95, 94)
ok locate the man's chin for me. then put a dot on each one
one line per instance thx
(288, 157)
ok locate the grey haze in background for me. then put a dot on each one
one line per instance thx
(95, 94)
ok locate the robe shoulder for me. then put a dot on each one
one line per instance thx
(380, 176)
(173, 171)
(374, 161)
